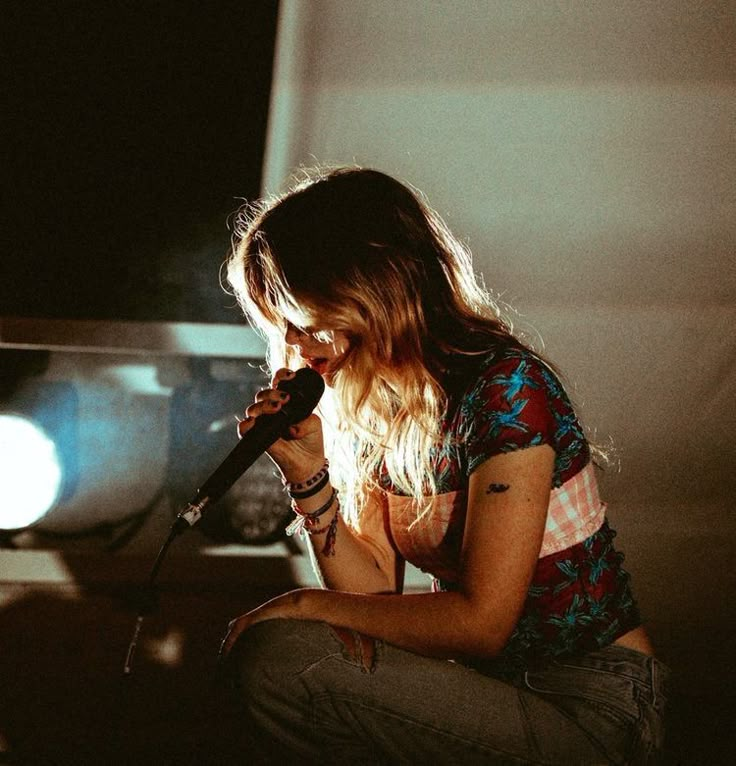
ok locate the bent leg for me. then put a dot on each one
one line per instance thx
(333, 696)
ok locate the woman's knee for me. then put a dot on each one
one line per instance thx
(268, 658)
(261, 651)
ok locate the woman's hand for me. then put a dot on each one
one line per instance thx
(286, 605)
(302, 453)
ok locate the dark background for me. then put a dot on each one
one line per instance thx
(132, 131)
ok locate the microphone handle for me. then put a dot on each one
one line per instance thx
(260, 437)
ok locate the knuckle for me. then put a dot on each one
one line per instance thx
(248, 423)
(281, 374)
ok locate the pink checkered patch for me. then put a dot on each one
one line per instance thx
(575, 512)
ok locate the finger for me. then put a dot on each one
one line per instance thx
(268, 401)
(284, 373)
(244, 425)
(270, 395)
(232, 635)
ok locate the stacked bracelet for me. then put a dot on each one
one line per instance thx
(313, 490)
(307, 522)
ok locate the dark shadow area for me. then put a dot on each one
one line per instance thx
(65, 700)
(701, 731)
(131, 132)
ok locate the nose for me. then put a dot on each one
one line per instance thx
(294, 336)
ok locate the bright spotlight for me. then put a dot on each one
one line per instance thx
(30, 472)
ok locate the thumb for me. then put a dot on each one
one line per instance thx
(305, 427)
(297, 431)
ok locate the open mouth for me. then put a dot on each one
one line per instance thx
(317, 363)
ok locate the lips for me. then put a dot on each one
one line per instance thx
(317, 363)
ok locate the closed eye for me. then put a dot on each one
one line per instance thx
(321, 336)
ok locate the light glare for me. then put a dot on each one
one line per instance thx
(30, 472)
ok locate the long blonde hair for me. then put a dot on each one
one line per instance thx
(359, 252)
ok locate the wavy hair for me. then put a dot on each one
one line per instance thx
(354, 250)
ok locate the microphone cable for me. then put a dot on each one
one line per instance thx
(306, 389)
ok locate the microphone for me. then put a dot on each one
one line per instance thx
(305, 390)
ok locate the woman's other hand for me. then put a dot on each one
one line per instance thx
(283, 606)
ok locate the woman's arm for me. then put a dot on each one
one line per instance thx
(507, 508)
(361, 564)
(356, 563)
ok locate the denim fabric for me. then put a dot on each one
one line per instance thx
(315, 695)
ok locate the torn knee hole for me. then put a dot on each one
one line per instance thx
(357, 647)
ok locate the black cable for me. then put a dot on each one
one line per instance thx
(149, 599)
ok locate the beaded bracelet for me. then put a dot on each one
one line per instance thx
(328, 549)
(321, 484)
(302, 489)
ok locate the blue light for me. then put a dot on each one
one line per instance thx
(30, 472)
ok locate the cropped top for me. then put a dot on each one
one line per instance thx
(580, 597)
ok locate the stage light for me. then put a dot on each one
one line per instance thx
(38, 462)
(99, 448)
(30, 472)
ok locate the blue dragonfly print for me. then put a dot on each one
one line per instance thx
(575, 615)
(515, 381)
(502, 419)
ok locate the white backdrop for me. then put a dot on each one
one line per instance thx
(585, 150)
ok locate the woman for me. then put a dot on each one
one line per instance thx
(455, 447)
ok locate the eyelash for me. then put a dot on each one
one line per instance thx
(323, 336)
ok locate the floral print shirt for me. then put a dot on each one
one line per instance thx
(580, 597)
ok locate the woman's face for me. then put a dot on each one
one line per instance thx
(322, 350)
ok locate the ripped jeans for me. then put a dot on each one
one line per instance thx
(316, 694)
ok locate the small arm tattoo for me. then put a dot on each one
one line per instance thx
(496, 488)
